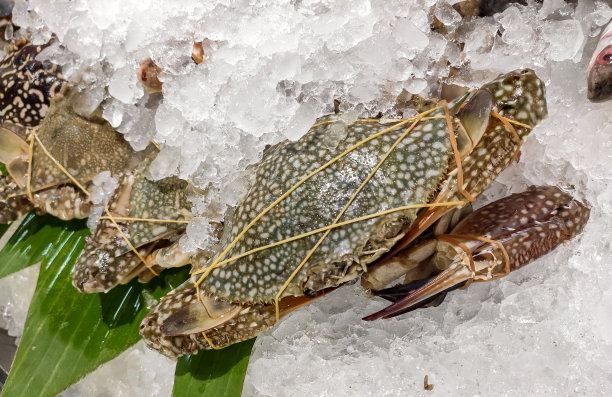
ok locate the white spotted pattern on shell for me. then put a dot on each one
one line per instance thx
(27, 84)
(520, 96)
(528, 224)
(85, 146)
(410, 175)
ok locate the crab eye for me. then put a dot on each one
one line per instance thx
(607, 58)
(23, 56)
(34, 66)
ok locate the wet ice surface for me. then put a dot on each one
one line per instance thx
(271, 70)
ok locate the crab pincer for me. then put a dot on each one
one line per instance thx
(488, 244)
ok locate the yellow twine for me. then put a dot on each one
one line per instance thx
(382, 120)
(125, 218)
(510, 128)
(57, 163)
(127, 241)
(29, 177)
(340, 224)
(453, 142)
(210, 342)
(346, 206)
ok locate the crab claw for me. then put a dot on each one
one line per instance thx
(452, 278)
(474, 118)
(181, 323)
(491, 242)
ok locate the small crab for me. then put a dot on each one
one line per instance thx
(346, 199)
(139, 234)
(51, 166)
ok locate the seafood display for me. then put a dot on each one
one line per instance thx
(599, 72)
(365, 166)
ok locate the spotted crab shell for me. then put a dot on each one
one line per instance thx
(411, 175)
(27, 85)
(83, 145)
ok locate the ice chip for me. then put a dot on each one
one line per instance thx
(125, 86)
(103, 187)
(89, 100)
(302, 120)
(565, 39)
(447, 14)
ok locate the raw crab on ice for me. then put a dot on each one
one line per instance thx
(385, 199)
(381, 198)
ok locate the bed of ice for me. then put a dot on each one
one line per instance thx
(271, 67)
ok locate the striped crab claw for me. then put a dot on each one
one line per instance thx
(488, 244)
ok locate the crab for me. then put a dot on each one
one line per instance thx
(139, 235)
(346, 199)
(327, 208)
(51, 166)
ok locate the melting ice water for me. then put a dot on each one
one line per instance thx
(270, 69)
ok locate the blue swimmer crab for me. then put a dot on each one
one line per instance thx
(346, 199)
(139, 234)
(51, 166)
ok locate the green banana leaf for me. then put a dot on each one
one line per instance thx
(36, 238)
(68, 334)
(213, 372)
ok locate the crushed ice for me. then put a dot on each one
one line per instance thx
(270, 69)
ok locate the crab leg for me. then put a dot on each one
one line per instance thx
(493, 241)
